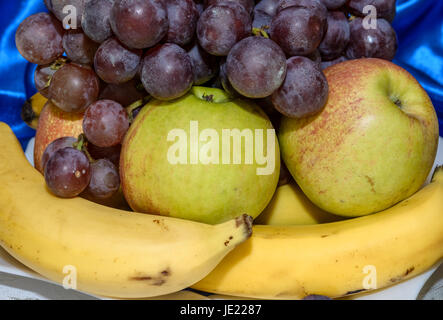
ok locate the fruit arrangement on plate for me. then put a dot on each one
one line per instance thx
(263, 149)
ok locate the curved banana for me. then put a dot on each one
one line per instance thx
(339, 258)
(32, 109)
(290, 206)
(109, 252)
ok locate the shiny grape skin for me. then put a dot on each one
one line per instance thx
(183, 17)
(105, 180)
(167, 72)
(385, 8)
(327, 64)
(74, 87)
(95, 22)
(247, 4)
(42, 76)
(305, 90)
(139, 24)
(54, 146)
(39, 38)
(333, 4)
(78, 47)
(105, 123)
(124, 93)
(256, 67)
(298, 31)
(336, 37)
(59, 5)
(204, 65)
(115, 63)
(110, 153)
(221, 26)
(372, 43)
(67, 173)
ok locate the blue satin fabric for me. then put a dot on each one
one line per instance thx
(419, 25)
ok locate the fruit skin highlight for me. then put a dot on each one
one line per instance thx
(210, 193)
(372, 146)
(335, 259)
(113, 253)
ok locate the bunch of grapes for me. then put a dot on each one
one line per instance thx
(122, 51)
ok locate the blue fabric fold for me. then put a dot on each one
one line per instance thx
(419, 25)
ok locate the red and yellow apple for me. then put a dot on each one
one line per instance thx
(372, 146)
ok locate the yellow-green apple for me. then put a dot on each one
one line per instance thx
(372, 146)
(54, 123)
(203, 157)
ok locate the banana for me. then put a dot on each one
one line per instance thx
(290, 206)
(107, 251)
(32, 109)
(336, 259)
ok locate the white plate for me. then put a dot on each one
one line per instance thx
(19, 282)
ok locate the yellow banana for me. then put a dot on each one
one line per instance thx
(290, 206)
(339, 258)
(109, 252)
(32, 109)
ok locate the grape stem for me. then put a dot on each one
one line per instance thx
(260, 32)
(56, 65)
(82, 145)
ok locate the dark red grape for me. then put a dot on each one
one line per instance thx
(224, 81)
(67, 173)
(78, 47)
(139, 23)
(385, 8)
(167, 72)
(326, 64)
(42, 78)
(247, 4)
(73, 87)
(372, 43)
(39, 39)
(110, 153)
(183, 16)
(316, 6)
(115, 63)
(204, 65)
(105, 180)
(105, 123)
(305, 90)
(124, 93)
(221, 26)
(60, 10)
(337, 36)
(333, 4)
(56, 145)
(95, 22)
(256, 67)
(297, 30)
(268, 7)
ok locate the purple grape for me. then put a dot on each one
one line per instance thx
(125, 93)
(297, 30)
(337, 36)
(204, 65)
(269, 7)
(67, 173)
(54, 146)
(247, 4)
(316, 6)
(42, 78)
(221, 26)
(73, 87)
(39, 39)
(167, 72)
(385, 8)
(78, 47)
(105, 123)
(261, 21)
(110, 153)
(333, 4)
(139, 23)
(183, 16)
(59, 7)
(372, 43)
(95, 22)
(224, 81)
(115, 63)
(316, 57)
(105, 180)
(305, 90)
(327, 64)
(256, 67)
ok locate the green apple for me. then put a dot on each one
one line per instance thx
(372, 146)
(203, 157)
